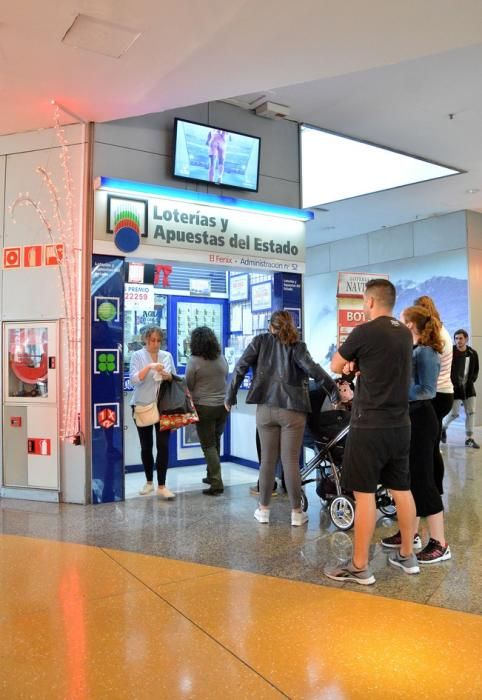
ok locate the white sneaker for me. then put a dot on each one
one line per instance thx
(262, 516)
(298, 519)
(147, 488)
(163, 492)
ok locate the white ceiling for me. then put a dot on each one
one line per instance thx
(386, 72)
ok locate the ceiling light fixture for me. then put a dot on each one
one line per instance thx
(336, 167)
(472, 190)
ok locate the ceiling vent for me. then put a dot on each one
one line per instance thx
(272, 110)
(98, 36)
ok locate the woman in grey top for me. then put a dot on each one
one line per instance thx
(206, 374)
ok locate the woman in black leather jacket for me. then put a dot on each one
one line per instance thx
(281, 366)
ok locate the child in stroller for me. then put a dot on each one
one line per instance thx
(325, 434)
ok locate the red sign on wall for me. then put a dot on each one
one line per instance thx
(39, 446)
(32, 256)
(347, 320)
(11, 257)
(15, 421)
(54, 254)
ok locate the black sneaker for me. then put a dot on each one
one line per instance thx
(470, 442)
(434, 552)
(443, 436)
(395, 541)
(211, 491)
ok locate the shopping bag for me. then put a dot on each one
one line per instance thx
(175, 404)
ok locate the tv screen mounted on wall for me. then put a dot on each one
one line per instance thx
(219, 157)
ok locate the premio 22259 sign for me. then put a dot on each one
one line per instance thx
(139, 296)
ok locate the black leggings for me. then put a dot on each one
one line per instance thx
(422, 479)
(442, 403)
(162, 456)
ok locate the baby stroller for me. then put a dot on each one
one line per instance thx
(326, 433)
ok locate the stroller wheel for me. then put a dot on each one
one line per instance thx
(385, 502)
(304, 501)
(342, 512)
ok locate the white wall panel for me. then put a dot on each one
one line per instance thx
(392, 243)
(475, 291)
(3, 162)
(318, 259)
(440, 233)
(474, 229)
(21, 176)
(39, 140)
(35, 293)
(349, 253)
(151, 133)
(129, 164)
(275, 191)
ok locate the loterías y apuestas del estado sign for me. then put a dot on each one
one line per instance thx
(178, 225)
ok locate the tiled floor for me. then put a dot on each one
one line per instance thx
(83, 622)
(188, 479)
(194, 599)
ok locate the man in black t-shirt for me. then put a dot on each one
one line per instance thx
(378, 444)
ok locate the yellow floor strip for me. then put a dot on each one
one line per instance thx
(80, 622)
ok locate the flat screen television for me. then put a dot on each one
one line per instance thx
(204, 153)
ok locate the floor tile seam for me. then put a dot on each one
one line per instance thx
(202, 630)
(326, 586)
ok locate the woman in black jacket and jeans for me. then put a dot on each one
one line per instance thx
(281, 368)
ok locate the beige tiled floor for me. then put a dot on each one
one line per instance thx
(84, 622)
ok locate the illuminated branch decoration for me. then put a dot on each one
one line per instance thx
(63, 224)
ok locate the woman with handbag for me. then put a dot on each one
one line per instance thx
(149, 366)
(281, 366)
(206, 374)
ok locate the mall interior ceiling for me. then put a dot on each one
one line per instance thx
(402, 75)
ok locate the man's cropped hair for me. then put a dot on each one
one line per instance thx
(461, 331)
(383, 291)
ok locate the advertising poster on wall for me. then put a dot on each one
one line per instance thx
(442, 276)
(351, 286)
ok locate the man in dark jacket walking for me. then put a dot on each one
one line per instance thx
(464, 373)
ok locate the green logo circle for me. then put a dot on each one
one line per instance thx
(106, 311)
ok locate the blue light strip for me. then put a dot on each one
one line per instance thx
(109, 183)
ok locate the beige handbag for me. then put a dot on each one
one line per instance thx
(146, 415)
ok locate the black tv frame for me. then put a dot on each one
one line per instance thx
(221, 185)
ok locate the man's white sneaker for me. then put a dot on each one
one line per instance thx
(147, 488)
(262, 516)
(163, 492)
(298, 519)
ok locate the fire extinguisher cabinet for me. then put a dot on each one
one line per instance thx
(30, 412)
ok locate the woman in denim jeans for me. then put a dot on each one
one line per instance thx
(206, 374)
